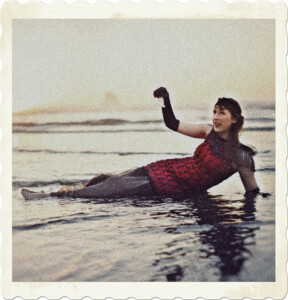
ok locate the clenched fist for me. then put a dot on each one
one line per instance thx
(161, 92)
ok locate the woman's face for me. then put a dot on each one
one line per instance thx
(222, 121)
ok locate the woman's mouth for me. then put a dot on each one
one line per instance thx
(216, 125)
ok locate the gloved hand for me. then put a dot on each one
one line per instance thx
(161, 92)
(169, 118)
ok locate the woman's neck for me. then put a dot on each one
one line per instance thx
(224, 135)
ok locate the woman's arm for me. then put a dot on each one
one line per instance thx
(192, 130)
(248, 179)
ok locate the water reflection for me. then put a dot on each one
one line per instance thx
(216, 240)
(209, 236)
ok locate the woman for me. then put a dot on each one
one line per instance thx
(217, 158)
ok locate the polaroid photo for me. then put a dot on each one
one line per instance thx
(144, 150)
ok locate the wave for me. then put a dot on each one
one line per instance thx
(93, 126)
(72, 182)
(80, 217)
(47, 151)
(22, 130)
(271, 128)
(266, 170)
(74, 218)
(105, 122)
(100, 153)
(110, 122)
(260, 119)
(87, 131)
(265, 152)
(41, 183)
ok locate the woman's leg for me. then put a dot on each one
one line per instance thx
(102, 177)
(115, 186)
(131, 183)
(97, 179)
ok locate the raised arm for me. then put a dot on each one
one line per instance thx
(193, 130)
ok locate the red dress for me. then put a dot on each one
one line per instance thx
(205, 169)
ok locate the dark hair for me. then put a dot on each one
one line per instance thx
(236, 113)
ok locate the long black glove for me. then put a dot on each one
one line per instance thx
(169, 118)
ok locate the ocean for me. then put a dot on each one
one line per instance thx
(216, 236)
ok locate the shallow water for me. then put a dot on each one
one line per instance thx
(215, 236)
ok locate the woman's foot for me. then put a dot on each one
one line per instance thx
(30, 195)
(66, 188)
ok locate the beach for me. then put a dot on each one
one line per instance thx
(216, 236)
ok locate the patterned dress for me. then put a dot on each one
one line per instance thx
(206, 168)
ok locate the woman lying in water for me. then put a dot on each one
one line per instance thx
(216, 159)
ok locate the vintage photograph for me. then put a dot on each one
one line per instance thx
(143, 150)
(112, 194)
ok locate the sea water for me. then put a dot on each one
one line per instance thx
(216, 236)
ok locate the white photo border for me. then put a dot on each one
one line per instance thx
(145, 10)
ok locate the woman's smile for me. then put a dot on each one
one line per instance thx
(222, 121)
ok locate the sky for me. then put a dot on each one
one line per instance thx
(74, 65)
